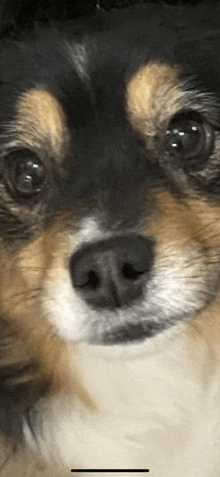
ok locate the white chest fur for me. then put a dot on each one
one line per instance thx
(154, 411)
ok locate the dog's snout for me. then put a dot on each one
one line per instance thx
(112, 273)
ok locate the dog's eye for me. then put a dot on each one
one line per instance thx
(190, 136)
(24, 173)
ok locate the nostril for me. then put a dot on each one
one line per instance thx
(85, 276)
(130, 273)
(93, 280)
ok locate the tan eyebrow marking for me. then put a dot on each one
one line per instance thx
(40, 117)
(153, 90)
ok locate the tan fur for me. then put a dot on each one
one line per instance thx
(21, 286)
(152, 92)
(40, 121)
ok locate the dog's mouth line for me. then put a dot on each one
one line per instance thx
(146, 328)
(132, 333)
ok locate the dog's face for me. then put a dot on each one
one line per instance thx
(109, 192)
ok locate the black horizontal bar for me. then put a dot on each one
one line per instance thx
(110, 470)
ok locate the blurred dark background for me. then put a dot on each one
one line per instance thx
(17, 15)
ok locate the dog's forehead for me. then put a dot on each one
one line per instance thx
(97, 62)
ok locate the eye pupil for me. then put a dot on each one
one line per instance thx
(190, 138)
(24, 173)
(186, 137)
(27, 176)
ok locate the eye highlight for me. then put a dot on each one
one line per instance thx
(190, 137)
(24, 173)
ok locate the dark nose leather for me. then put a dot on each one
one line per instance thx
(112, 273)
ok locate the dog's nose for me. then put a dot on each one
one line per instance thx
(112, 273)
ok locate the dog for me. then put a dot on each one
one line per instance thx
(110, 244)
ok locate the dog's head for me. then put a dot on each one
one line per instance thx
(109, 192)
